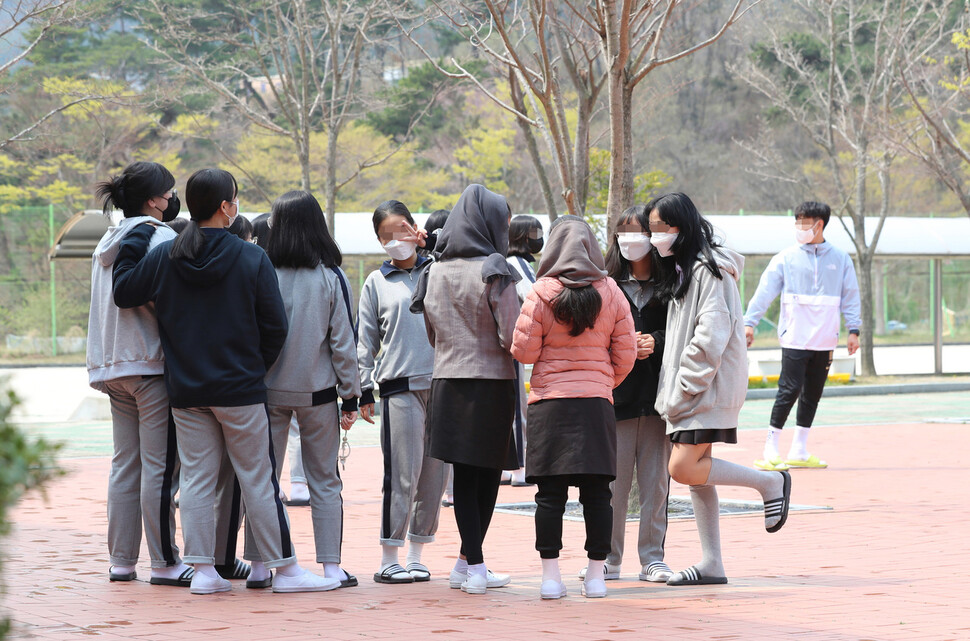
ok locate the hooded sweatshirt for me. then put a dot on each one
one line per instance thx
(704, 376)
(221, 317)
(121, 342)
(816, 281)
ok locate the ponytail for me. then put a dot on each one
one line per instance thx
(188, 243)
(578, 307)
(131, 189)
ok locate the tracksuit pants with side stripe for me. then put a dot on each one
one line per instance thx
(320, 443)
(144, 472)
(204, 433)
(413, 482)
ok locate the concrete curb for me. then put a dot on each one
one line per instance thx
(871, 390)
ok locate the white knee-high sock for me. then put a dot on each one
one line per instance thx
(707, 513)
(799, 444)
(769, 484)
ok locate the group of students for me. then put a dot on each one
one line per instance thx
(210, 347)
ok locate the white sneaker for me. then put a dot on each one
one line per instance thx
(474, 584)
(552, 589)
(299, 492)
(305, 582)
(610, 572)
(456, 578)
(202, 584)
(594, 589)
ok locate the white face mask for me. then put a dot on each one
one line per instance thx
(233, 218)
(633, 245)
(805, 236)
(663, 241)
(400, 249)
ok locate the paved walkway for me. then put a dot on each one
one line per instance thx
(889, 561)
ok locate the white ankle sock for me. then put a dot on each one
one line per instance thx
(170, 572)
(414, 552)
(122, 569)
(478, 569)
(461, 566)
(292, 570)
(595, 570)
(550, 570)
(389, 555)
(259, 572)
(771, 443)
(799, 444)
(207, 570)
(333, 571)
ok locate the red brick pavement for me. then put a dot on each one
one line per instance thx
(888, 562)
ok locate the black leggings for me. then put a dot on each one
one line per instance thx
(594, 494)
(803, 375)
(476, 489)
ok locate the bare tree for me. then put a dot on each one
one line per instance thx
(43, 15)
(291, 67)
(843, 91)
(938, 89)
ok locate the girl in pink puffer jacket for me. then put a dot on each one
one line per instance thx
(577, 329)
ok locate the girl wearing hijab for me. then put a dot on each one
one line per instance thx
(413, 481)
(525, 241)
(317, 366)
(125, 361)
(470, 306)
(213, 294)
(704, 376)
(576, 328)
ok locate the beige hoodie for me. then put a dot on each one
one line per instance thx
(704, 377)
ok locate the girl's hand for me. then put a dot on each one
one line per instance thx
(645, 345)
(414, 235)
(367, 413)
(347, 420)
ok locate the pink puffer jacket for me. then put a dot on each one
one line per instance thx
(586, 366)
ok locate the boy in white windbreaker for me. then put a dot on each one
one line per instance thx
(817, 282)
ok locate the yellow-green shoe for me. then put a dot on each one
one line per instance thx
(774, 464)
(811, 462)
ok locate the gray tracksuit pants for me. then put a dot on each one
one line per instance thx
(204, 433)
(294, 453)
(320, 443)
(144, 472)
(413, 482)
(641, 443)
(230, 511)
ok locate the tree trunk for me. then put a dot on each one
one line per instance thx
(614, 202)
(532, 146)
(627, 191)
(331, 187)
(581, 152)
(864, 264)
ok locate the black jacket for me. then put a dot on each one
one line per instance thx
(637, 394)
(220, 317)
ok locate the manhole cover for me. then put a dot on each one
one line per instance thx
(678, 507)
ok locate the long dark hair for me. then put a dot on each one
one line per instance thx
(519, 230)
(695, 242)
(617, 266)
(578, 307)
(205, 191)
(300, 237)
(391, 208)
(136, 183)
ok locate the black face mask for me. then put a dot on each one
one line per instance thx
(172, 211)
(535, 245)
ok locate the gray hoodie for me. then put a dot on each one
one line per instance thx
(704, 376)
(121, 342)
(319, 353)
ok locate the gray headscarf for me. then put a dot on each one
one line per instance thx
(478, 226)
(571, 254)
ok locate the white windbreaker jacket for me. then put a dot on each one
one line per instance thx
(816, 283)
